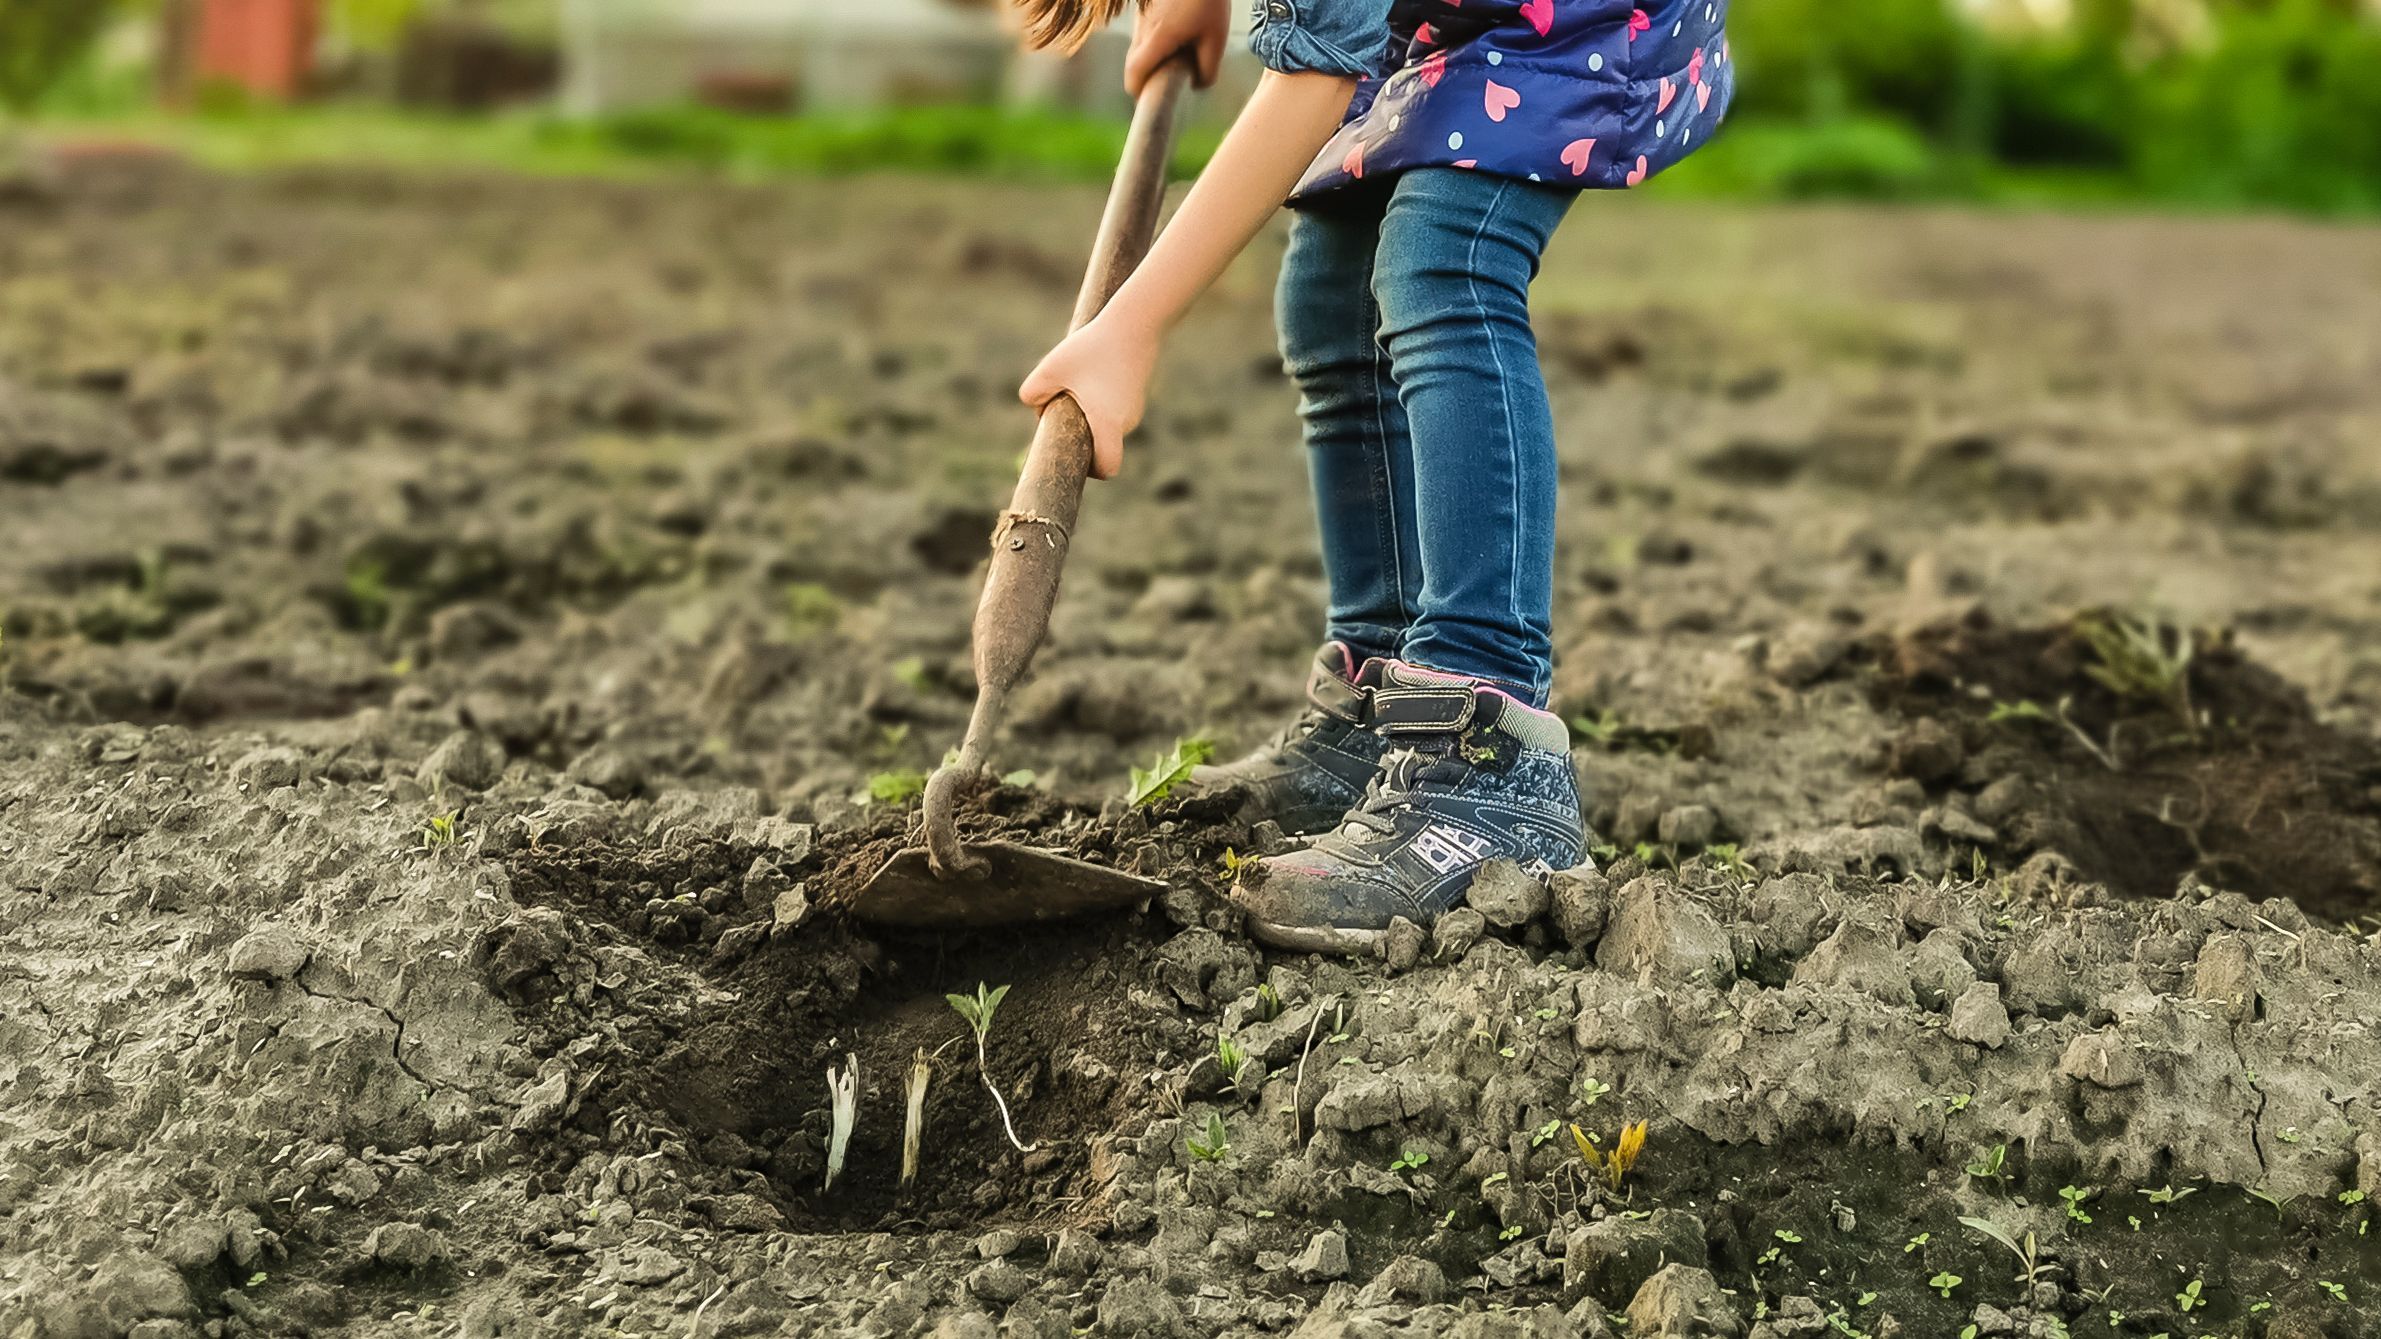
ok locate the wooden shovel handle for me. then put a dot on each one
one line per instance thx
(1029, 545)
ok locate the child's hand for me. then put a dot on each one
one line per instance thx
(1168, 27)
(1106, 369)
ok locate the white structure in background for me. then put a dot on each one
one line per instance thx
(829, 53)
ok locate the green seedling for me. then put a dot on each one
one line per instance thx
(1989, 1166)
(1944, 1281)
(2338, 1291)
(2075, 1196)
(1229, 1057)
(1268, 1003)
(2280, 1203)
(1958, 1102)
(2167, 1194)
(2351, 1197)
(2189, 1297)
(1169, 770)
(1591, 1090)
(1916, 1243)
(893, 787)
(1409, 1160)
(1539, 1136)
(1510, 1234)
(1215, 1145)
(2141, 659)
(2289, 1134)
(2027, 1250)
(978, 1010)
(439, 832)
(1233, 862)
(2025, 710)
(1493, 1178)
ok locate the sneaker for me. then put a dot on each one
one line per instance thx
(1472, 776)
(1308, 775)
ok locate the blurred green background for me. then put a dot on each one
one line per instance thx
(2199, 103)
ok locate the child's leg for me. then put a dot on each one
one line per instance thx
(1357, 449)
(1452, 272)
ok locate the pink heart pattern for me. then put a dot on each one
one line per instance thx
(1702, 96)
(1499, 99)
(1434, 68)
(1575, 155)
(1540, 14)
(1668, 95)
(1638, 174)
(1353, 164)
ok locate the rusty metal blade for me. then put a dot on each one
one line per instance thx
(1017, 885)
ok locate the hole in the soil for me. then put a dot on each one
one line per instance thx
(749, 1077)
(2232, 778)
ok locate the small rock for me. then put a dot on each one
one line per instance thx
(2226, 975)
(790, 909)
(1679, 1302)
(1940, 971)
(1927, 752)
(649, 1266)
(1507, 895)
(999, 1282)
(1658, 933)
(1862, 956)
(1455, 933)
(1402, 946)
(267, 769)
(609, 770)
(543, 1104)
(1324, 1259)
(997, 1244)
(1408, 1278)
(134, 1287)
(272, 953)
(1805, 653)
(194, 1243)
(1582, 899)
(407, 1246)
(464, 760)
(470, 629)
(1613, 1257)
(1696, 825)
(1978, 1018)
(746, 1213)
(2104, 1060)
(1136, 1305)
(1074, 1252)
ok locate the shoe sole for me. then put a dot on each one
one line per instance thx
(1318, 938)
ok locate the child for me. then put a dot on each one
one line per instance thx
(1429, 149)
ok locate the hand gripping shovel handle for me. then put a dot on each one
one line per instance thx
(1029, 545)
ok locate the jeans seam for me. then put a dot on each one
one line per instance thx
(1387, 476)
(1471, 265)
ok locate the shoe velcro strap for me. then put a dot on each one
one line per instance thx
(1334, 696)
(1423, 710)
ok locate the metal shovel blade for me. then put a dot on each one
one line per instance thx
(1018, 885)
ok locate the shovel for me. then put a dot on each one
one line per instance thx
(950, 883)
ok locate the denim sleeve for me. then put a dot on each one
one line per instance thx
(1320, 36)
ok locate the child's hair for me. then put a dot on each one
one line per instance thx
(1066, 24)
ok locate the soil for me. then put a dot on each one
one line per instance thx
(464, 640)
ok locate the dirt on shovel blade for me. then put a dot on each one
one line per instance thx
(463, 643)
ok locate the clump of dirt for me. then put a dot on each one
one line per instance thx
(2143, 755)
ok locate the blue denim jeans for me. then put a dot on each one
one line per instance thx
(1404, 316)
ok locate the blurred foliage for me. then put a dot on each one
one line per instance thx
(41, 41)
(2219, 102)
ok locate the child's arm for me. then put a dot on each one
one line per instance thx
(1106, 365)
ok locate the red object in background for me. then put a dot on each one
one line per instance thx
(264, 47)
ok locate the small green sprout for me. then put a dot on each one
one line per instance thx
(1410, 1159)
(1215, 1145)
(2167, 1194)
(439, 832)
(897, 787)
(1788, 1236)
(1958, 1102)
(1233, 862)
(1229, 1057)
(1539, 1136)
(2351, 1197)
(2338, 1291)
(2189, 1297)
(1915, 1243)
(1944, 1281)
(1170, 769)
(978, 1010)
(1493, 1178)
(1543, 1015)
(2289, 1134)
(1510, 1234)
(1591, 1090)
(1268, 1003)
(1988, 1166)
(2075, 1196)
